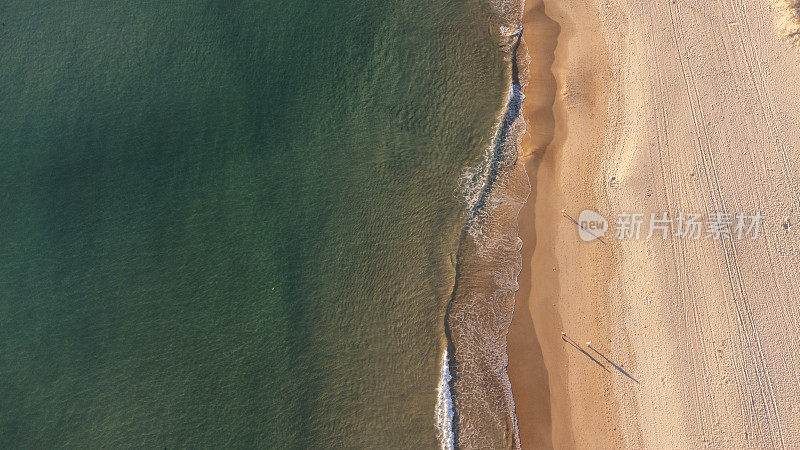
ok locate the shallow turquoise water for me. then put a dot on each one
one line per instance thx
(234, 223)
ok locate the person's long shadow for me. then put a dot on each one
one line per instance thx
(615, 366)
(569, 341)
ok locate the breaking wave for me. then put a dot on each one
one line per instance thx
(487, 266)
(444, 406)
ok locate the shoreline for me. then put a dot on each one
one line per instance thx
(526, 362)
(561, 399)
(487, 265)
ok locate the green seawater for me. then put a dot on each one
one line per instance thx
(234, 223)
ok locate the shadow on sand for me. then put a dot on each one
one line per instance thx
(621, 370)
(572, 342)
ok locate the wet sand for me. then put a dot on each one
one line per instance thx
(557, 394)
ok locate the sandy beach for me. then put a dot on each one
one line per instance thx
(683, 107)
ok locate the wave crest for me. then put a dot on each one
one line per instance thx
(444, 406)
(488, 265)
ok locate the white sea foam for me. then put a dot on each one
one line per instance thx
(444, 406)
(482, 307)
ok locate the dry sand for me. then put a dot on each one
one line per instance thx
(653, 106)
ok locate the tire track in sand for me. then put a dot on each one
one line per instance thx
(746, 326)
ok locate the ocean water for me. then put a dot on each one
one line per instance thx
(241, 223)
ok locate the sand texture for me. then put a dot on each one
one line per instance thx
(664, 106)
